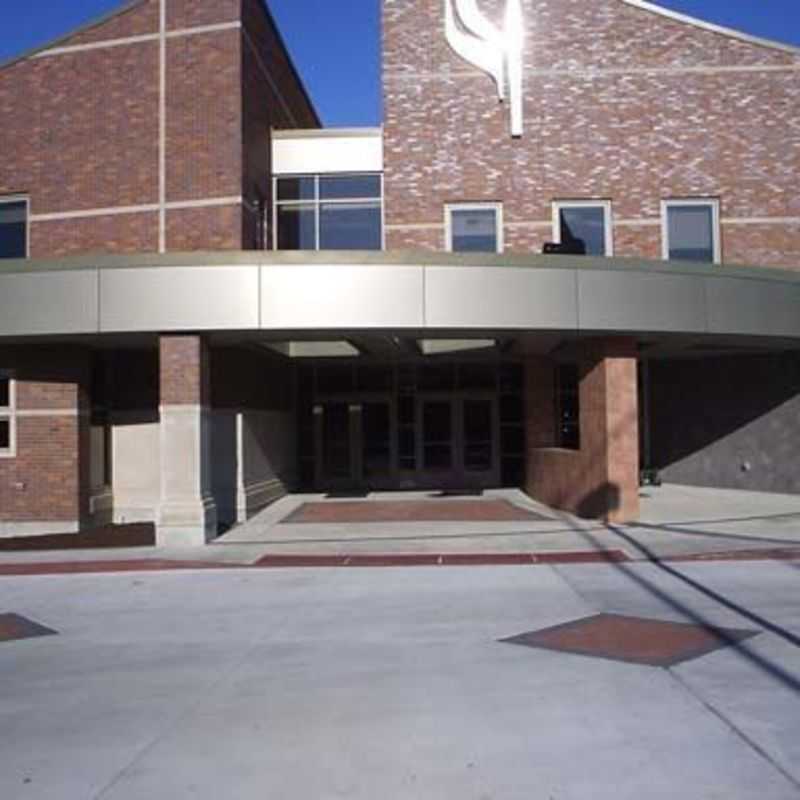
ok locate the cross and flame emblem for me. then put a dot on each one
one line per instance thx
(497, 52)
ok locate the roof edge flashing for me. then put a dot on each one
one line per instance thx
(733, 33)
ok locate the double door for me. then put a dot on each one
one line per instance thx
(458, 443)
(449, 442)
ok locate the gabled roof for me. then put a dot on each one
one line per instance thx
(710, 26)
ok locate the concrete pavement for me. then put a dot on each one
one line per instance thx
(392, 683)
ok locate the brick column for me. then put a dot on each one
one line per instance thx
(601, 480)
(610, 430)
(187, 513)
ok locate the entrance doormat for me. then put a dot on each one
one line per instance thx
(344, 512)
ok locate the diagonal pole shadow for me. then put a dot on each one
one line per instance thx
(761, 662)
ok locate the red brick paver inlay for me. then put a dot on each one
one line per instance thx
(14, 627)
(636, 640)
(337, 511)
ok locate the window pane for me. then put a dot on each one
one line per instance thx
(13, 230)
(297, 228)
(351, 226)
(5, 392)
(296, 189)
(585, 225)
(5, 434)
(346, 187)
(691, 233)
(474, 231)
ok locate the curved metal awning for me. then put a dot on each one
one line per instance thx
(408, 293)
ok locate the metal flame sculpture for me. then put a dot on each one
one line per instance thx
(497, 52)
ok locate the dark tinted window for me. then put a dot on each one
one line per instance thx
(5, 434)
(350, 226)
(348, 187)
(587, 225)
(474, 231)
(691, 232)
(568, 431)
(296, 189)
(5, 392)
(297, 228)
(13, 229)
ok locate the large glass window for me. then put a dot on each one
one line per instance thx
(329, 212)
(7, 422)
(586, 225)
(13, 227)
(474, 228)
(691, 230)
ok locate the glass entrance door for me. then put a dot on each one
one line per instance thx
(336, 446)
(437, 435)
(458, 442)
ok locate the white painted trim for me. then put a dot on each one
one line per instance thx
(417, 226)
(94, 212)
(608, 221)
(150, 208)
(692, 201)
(22, 198)
(710, 26)
(589, 73)
(760, 220)
(162, 127)
(140, 39)
(211, 202)
(449, 208)
(46, 412)
(233, 25)
(643, 222)
(334, 133)
(101, 45)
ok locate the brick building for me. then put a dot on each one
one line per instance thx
(208, 300)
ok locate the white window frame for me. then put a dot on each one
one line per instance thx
(716, 231)
(316, 202)
(449, 208)
(608, 222)
(21, 198)
(9, 413)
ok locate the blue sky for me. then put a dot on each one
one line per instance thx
(335, 43)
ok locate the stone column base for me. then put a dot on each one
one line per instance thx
(186, 524)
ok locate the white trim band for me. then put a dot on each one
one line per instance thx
(140, 39)
(149, 208)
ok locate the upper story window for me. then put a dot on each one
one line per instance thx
(690, 230)
(329, 212)
(13, 227)
(584, 224)
(474, 227)
(7, 421)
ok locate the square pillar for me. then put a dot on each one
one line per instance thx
(187, 514)
(601, 479)
(610, 430)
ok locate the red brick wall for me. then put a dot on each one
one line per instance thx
(84, 129)
(48, 480)
(184, 371)
(620, 103)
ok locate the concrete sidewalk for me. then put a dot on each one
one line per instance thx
(677, 522)
(395, 684)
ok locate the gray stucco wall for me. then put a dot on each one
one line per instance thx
(729, 422)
